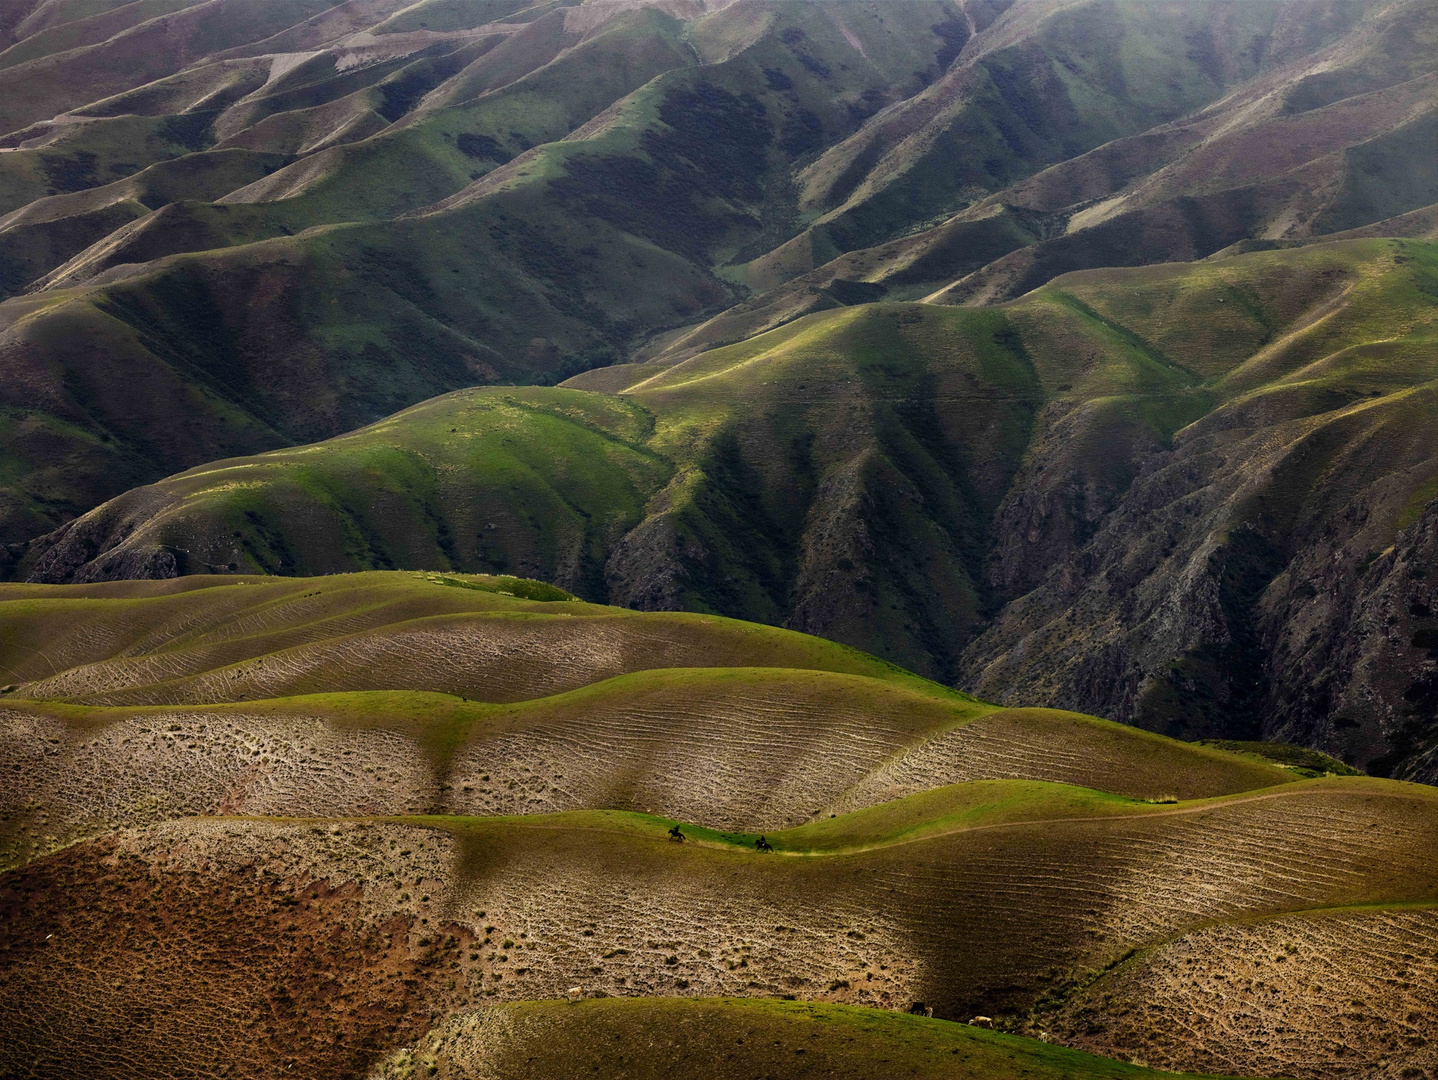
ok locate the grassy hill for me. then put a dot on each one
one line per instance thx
(1046, 84)
(155, 639)
(871, 444)
(405, 694)
(731, 1038)
(760, 748)
(527, 480)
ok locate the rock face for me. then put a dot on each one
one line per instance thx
(1250, 583)
(1370, 669)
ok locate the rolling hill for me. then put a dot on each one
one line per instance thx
(382, 821)
(404, 694)
(730, 1037)
(321, 941)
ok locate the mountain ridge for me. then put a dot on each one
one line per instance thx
(1077, 457)
(378, 140)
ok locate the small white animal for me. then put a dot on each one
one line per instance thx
(575, 993)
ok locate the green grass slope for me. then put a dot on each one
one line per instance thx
(207, 639)
(67, 158)
(521, 193)
(152, 49)
(538, 482)
(402, 694)
(893, 475)
(1318, 151)
(719, 1039)
(62, 31)
(49, 232)
(867, 445)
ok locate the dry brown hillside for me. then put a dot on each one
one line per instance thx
(270, 825)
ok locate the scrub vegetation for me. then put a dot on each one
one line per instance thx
(718, 538)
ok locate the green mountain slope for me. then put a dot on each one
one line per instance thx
(556, 262)
(1310, 147)
(1040, 485)
(871, 444)
(1048, 83)
(285, 230)
(534, 481)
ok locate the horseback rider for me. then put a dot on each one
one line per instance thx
(675, 834)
